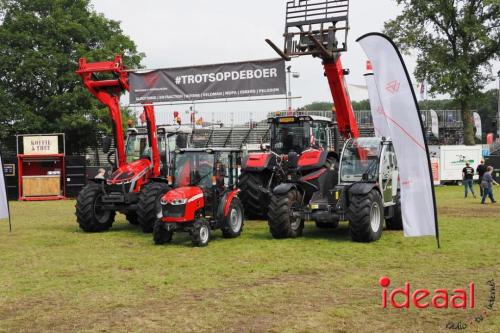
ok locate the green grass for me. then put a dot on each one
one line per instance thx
(55, 278)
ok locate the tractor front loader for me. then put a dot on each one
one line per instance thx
(135, 185)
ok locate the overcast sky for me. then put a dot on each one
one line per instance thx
(195, 32)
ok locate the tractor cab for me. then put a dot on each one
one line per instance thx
(296, 133)
(371, 160)
(204, 195)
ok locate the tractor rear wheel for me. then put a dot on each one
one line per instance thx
(149, 205)
(233, 222)
(160, 233)
(90, 214)
(282, 220)
(252, 196)
(366, 216)
(200, 234)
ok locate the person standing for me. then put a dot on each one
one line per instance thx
(480, 170)
(487, 185)
(467, 177)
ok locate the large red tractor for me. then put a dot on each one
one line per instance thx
(204, 196)
(311, 137)
(136, 184)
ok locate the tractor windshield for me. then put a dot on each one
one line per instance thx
(194, 168)
(360, 160)
(287, 137)
(138, 147)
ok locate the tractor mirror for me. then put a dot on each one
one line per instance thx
(106, 144)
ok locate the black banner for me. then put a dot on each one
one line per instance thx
(244, 79)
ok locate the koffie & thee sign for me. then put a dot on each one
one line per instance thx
(40, 145)
(233, 80)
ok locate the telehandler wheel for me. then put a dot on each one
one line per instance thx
(200, 234)
(160, 233)
(366, 217)
(132, 218)
(90, 214)
(395, 222)
(233, 222)
(251, 195)
(282, 221)
(149, 205)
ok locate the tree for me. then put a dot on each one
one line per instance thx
(41, 42)
(327, 106)
(455, 40)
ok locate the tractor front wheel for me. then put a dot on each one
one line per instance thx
(200, 234)
(160, 233)
(149, 205)
(282, 219)
(396, 221)
(366, 216)
(91, 214)
(233, 222)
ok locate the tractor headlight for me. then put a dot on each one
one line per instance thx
(178, 202)
(163, 202)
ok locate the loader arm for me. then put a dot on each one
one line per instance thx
(108, 92)
(346, 119)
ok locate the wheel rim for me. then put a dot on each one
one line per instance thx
(101, 215)
(295, 220)
(204, 234)
(235, 220)
(375, 217)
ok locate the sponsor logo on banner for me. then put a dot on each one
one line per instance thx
(41, 145)
(244, 79)
(393, 87)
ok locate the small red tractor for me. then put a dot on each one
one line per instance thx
(204, 196)
(138, 180)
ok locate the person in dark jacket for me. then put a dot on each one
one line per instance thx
(487, 185)
(480, 170)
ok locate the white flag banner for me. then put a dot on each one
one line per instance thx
(435, 123)
(478, 125)
(377, 110)
(4, 205)
(405, 125)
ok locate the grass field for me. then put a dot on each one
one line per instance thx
(54, 278)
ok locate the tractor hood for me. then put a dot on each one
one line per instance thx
(182, 194)
(130, 172)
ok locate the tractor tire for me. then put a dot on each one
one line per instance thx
(251, 195)
(280, 220)
(132, 218)
(366, 217)
(149, 204)
(200, 234)
(395, 222)
(89, 216)
(323, 225)
(160, 233)
(233, 222)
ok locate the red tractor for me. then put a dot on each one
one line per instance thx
(137, 182)
(204, 196)
(311, 137)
